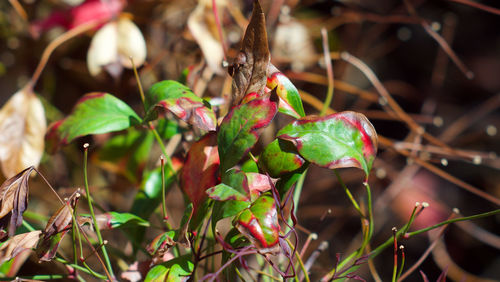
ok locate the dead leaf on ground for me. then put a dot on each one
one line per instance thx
(14, 201)
(17, 244)
(57, 226)
(22, 132)
(249, 69)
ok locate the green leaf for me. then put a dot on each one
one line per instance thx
(249, 166)
(114, 220)
(127, 154)
(241, 128)
(280, 157)
(148, 197)
(345, 139)
(286, 181)
(259, 223)
(223, 192)
(290, 101)
(94, 113)
(168, 128)
(182, 102)
(173, 270)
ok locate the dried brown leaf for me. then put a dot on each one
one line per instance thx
(14, 201)
(57, 226)
(22, 132)
(17, 244)
(249, 69)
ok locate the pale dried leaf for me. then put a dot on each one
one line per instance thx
(113, 45)
(103, 48)
(22, 132)
(131, 43)
(14, 200)
(209, 45)
(17, 244)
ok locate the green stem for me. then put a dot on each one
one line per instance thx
(402, 263)
(349, 194)
(81, 268)
(91, 209)
(369, 235)
(162, 147)
(73, 237)
(63, 261)
(28, 226)
(387, 243)
(298, 191)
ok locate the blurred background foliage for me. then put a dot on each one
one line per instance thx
(385, 34)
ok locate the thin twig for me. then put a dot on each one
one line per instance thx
(19, 9)
(444, 45)
(56, 43)
(219, 29)
(427, 252)
(329, 71)
(478, 6)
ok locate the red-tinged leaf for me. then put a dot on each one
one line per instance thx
(223, 192)
(182, 102)
(259, 224)
(290, 101)
(57, 226)
(257, 184)
(280, 157)
(161, 244)
(17, 244)
(90, 10)
(241, 129)
(249, 69)
(201, 169)
(94, 113)
(14, 201)
(112, 220)
(345, 139)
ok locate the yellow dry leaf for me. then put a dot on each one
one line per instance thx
(22, 131)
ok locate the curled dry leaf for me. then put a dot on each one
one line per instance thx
(22, 131)
(14, 201)
(198, 24)
(57, 226)
(113, 45)
(249, 69)
(18, 244)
